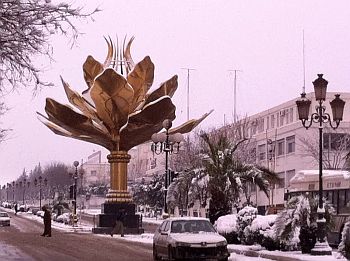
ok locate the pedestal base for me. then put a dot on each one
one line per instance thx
(109, 212)
(321, 249)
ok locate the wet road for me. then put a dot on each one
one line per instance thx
(22, 241)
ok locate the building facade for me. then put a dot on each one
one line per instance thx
(286, 147)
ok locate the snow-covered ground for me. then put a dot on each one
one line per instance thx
(147, 238)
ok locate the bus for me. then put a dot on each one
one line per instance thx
(336, 190)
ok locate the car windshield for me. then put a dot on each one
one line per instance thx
(191, 226)
(4, 215)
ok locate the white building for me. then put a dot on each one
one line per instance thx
(285, 146)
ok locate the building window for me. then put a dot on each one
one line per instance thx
(267, 123)
(281, 183)
(272, 121)
(291, 115)
(290, 144)
(93, 173)
(280, 147)
(262, 151)
(282, 116)
(261, 125)
(336, 141)
(289, 174)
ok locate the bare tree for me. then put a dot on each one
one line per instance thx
(25, 28)
(3, 132)
(336, 145)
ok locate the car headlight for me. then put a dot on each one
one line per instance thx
(221, 243)
(182, 244)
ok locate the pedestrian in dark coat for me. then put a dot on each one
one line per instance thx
(47, 222)
(119, 225)
(16, 209)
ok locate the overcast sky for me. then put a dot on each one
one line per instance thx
(262, 39)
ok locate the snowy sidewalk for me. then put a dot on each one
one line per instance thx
(258, 251)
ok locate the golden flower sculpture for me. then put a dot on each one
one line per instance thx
(117, 112)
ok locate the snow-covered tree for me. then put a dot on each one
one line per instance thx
(296, 225)
(229, 177)
(344, 246)
(245, 218)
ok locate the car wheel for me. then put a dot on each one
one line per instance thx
(155, 254)
(225, 259)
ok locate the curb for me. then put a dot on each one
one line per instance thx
(254, 253)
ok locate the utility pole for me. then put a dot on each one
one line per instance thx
(235, 94)
(188, 90)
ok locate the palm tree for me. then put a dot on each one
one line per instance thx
(229, 177)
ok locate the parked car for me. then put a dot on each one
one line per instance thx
(188, 238)
(64, 218)
(40, 213)
(34, 210)
(4, 219)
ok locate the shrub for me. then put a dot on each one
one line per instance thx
(227, 227)
(245, 218)
(344, 246)
(262, 231)
(296, 226)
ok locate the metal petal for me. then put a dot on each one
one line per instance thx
(60, 131)
(127, 56)
(85, 107)
(113, 97)
(141, 80)
(144, 123)
(91, 69)
(73, 122)
(167, 88)
(110, 53)
(189, 125)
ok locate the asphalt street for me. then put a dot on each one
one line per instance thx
(22, 241)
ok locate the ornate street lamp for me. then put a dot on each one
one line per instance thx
(75, 177)
(320, 117)
(40, 185)
(13, 191)
(163, 142)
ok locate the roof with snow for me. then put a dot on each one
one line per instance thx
(312, 175)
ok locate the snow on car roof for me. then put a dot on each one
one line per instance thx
(186, 218)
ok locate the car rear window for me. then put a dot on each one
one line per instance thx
(191, 226)
(4, 215)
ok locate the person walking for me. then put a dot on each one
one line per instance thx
(47, 222)
(119, 225)
(16, 209)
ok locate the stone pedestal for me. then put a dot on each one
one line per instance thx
(109, 212)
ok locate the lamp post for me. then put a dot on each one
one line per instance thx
(40, 185)
(75, 177)
(320, 117)
(7, 192)
(24, 189)
(167, 143)
(13, 191)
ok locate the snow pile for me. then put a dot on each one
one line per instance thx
(226, 224)
(263, 222)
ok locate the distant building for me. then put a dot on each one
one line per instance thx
(96, 169)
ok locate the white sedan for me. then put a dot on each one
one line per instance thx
(188, 238)
(4, 219)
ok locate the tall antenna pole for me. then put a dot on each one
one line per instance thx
(188, 91)
(303, 62)
(235, 94)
